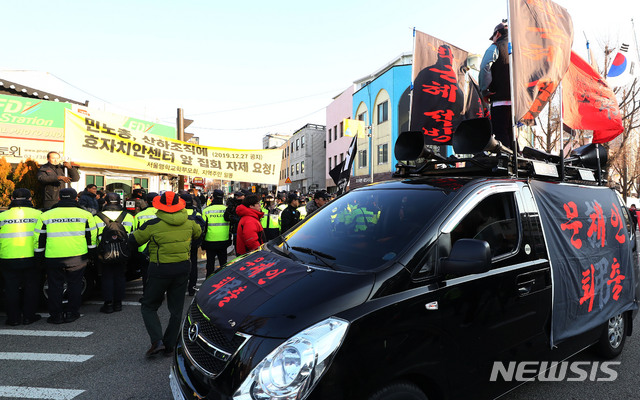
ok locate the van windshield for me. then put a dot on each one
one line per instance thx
(363, 229)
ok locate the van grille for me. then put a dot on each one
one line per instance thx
(211, 350)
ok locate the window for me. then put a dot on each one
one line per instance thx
(362, 158)
(297, 144)
(493, 220)
(335, 132)
(297, 168)
(341, 129)
(329, 163)
(292, 169)
(302, 167)
(329, 135)
(302, 142)
(335, 160)
(341, 157)
(383, 112)
(144, 182)
(292, 147)
(383, 152)
(362, 116)
(98, 180)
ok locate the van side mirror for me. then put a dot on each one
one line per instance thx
(468, 256)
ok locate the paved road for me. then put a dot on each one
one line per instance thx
(98, 356)
(102, 357)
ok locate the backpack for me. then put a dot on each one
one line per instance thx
(113, 247)
(203, 225)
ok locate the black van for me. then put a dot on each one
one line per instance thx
(415, 289)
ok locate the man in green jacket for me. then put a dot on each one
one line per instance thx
(169, 238)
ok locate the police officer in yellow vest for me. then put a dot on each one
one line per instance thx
(271, 219)
(218, 236)
(302, 208)
(142, 258)
(66, 235)
(19, 266)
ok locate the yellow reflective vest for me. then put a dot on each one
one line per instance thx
(303, 212)
(142, 217)
(17, 226)
(65, 232)
(217, 227)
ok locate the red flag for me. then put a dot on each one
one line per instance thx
(541, 35)
(588, 103)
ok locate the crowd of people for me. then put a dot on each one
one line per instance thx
(159, 235)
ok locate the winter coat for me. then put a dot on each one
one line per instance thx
(250, 232)
(289, 217)
(169, 236)
(48, 176)
(89, 202)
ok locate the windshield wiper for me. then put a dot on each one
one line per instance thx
(287, 253)
(322, 257)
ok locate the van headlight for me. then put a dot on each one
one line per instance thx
(294, 367)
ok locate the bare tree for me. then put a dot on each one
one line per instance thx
(624, 160)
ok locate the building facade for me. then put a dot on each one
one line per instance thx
(337, 143)
(381, 100)
(303, 165)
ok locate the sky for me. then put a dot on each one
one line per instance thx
(241, 70)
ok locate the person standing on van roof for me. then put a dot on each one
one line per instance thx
(169, 237)
(290, 215)
(66, 237)
(218, 236)
(113, 274)
(54, 177)
(17, 259)
(250, 232)
(495, 85)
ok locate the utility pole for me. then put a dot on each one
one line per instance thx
(181, 125)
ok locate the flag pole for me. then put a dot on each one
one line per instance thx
(514, 132)
(561, 132)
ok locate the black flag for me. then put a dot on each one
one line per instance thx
(342, 172)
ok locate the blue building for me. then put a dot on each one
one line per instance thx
(381, 100)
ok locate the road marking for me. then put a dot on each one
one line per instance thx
(38, 393)
(24, 332)
(44, 357)
(124, 303)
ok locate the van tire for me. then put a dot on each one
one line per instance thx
(399, 391)
(613, 337)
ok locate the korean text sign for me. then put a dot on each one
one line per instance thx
(590, 252)
(95, 142)
(233, 293)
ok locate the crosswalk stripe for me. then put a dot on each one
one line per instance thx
(44, 357)
(124, 303)
(24, 332)
(38, 393)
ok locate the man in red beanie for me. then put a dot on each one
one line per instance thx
(250, 231)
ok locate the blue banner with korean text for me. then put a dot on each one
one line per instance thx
(590, 251)
(233, 293)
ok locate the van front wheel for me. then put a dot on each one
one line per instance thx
(399, 391)
(612, 339)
